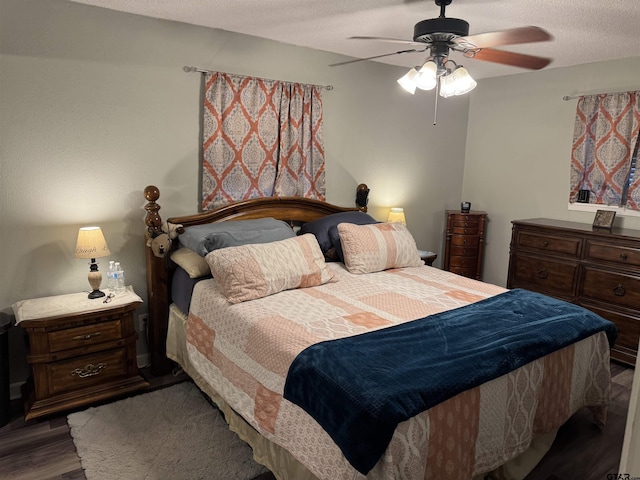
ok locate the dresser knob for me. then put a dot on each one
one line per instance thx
(466, 224)
(542, 273)
(619, 291)
(623, 256)
(545, 244)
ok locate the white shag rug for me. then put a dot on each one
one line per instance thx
(172, 433)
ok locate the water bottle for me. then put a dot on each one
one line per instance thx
(118, 278)
(110, 283)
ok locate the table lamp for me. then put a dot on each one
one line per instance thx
(396, 215)
(91, 244)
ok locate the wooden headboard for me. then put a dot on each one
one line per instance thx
(293, 210)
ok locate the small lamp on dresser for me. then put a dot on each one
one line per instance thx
(91, 244)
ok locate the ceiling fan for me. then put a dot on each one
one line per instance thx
(442, 34)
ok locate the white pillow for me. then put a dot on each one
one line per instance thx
(195, 265)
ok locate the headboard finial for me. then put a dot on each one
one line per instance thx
(152, 220)
(362, 197)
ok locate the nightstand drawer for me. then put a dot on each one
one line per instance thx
(81, 336)
(86, 371)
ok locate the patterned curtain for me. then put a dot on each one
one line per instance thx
(604, 138)
(261, 138)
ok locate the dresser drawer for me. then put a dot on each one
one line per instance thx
(465, 240)
(549, 275)
(464, 251)
(611, 287)
(463, 262)
(549, 243)
(465, 218)
(469, 226)
(470, 272)
(86, 371)
(613, 253)
(71, 338)
(628, 325)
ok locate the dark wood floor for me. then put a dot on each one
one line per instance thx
(44, 450)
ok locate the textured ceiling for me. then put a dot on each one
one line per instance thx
(584, 31)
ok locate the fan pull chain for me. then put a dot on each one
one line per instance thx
(435, 110)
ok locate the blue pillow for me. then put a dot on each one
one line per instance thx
(322, 228)
(203, 239)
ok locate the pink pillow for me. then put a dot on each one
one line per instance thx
(377, 247)
(253, 271)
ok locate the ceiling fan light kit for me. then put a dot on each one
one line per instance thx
(442, 35)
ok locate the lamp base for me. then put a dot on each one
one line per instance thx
(96, 294)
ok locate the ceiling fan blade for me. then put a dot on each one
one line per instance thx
(375, 56)
(386, 39)
(509, 58)
(505, 37)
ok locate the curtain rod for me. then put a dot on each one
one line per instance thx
(202, 70)
(578, 95)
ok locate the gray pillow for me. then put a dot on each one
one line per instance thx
(203, 239)
(321, 227)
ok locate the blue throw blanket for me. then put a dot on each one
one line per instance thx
(359, 388)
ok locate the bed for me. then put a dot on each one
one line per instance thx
(300, 357)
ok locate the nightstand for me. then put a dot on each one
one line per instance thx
(427, 257)
(81, 351)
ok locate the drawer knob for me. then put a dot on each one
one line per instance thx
(623, 256)
(619, 291)
(466, 224)
(88, 336)
(89, 370)
(545, 244)
(542, 273)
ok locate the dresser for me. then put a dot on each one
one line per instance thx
(464, 243)
(598, 269)
(81, 351)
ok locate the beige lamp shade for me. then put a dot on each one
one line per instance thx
(396, 215)
(91, 243)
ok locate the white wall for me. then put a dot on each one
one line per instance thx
(519, 148)
(95, 106)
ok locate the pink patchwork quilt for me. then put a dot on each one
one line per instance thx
(244, 352)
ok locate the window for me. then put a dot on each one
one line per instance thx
(605, 151)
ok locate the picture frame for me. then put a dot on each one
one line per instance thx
(604, 219)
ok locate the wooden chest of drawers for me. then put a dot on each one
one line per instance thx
(80, 353)
(464, 243)
(598, 269)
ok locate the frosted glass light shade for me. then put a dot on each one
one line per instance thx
(407, 81)
(447, 86)
(426, 79)
(464, 83)
(396, 215)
